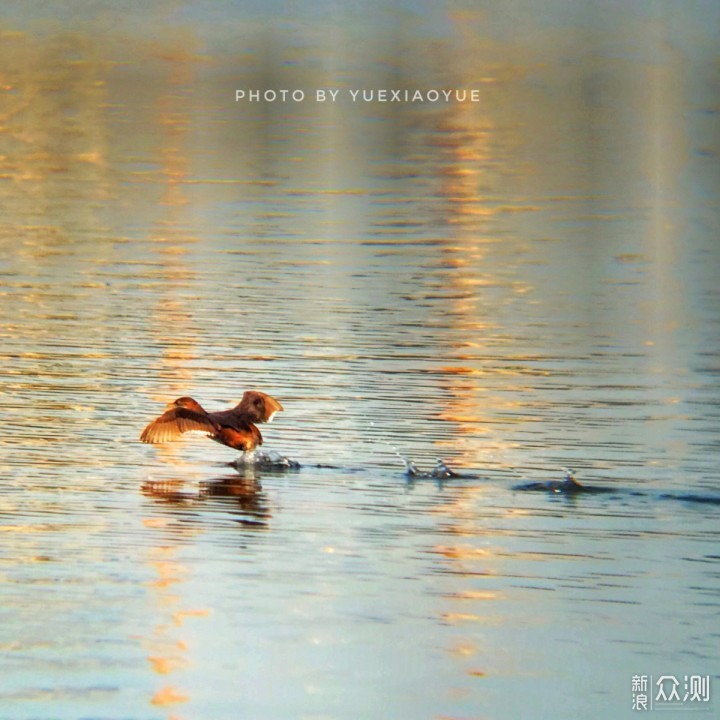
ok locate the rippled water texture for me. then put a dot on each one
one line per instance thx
(516, 286)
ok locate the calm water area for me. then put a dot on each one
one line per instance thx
(516, 285)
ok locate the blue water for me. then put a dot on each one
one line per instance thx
(516, 286)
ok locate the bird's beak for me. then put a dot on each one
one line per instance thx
(272, 406)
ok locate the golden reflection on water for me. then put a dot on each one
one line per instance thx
(468, 140)
(173, 330)
(52, 121)
(77, 160)
(167, 651)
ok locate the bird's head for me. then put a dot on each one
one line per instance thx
(259, 407)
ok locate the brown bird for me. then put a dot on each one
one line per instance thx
(234, 428)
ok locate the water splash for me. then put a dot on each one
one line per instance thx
(405, 461)
(264, 460)
(441, 471)
(569, 485)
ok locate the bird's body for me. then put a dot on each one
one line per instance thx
(235, 427)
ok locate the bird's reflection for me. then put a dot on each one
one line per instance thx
(241, 494)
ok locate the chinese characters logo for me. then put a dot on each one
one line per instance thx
(669, 691)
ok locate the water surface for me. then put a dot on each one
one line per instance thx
(515, 286)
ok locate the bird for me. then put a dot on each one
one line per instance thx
(235, 427)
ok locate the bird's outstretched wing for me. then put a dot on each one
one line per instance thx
(174, 422)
